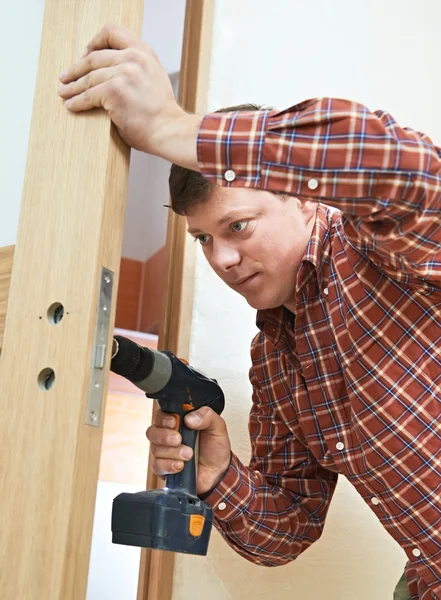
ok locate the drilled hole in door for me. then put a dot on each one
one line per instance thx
(46, 379)
(55, 313)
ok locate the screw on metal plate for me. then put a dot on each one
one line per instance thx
(93, 414)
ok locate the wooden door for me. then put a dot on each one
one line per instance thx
(54, 359)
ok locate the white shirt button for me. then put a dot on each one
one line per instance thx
(339, 445)
(222, 506)
(326, 291)
(375, 501)
(313, 184)
(230, 175)
(416, 552)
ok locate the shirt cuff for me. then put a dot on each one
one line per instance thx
(233, 494)
(230, 146)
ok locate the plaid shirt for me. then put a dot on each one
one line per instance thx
(351, 383)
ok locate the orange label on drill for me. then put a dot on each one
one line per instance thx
(196, 525)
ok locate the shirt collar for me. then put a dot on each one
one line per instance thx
(272, 321)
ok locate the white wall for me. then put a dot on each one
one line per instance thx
(145, 224)
(19, 49)
(384, 54)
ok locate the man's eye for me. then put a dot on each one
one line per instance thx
(239, 225)
(202, 239)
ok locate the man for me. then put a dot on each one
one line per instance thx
(346, 367)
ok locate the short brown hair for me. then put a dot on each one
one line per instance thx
(189, 188)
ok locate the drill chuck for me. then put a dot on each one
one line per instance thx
(149, 370)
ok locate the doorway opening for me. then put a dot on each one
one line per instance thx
(114, 569)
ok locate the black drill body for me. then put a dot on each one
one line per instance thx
(172, 518)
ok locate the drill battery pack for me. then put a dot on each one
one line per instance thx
(163, 519)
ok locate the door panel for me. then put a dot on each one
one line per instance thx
(70, 227)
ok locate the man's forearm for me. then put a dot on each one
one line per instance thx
(265, 523)
(176, 140)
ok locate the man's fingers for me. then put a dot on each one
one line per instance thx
(112, 36)
(163, 467)
(163, 437)
(91, 98)
(92, 79)
(162, 419)
(96, 60)
(180, 453)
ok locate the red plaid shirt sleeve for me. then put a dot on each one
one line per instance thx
(274, 509)
(383, 178)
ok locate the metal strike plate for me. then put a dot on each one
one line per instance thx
(96, 387)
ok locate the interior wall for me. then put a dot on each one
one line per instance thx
(145, 224)
(19, 47)
(142, 269)
(383, 54)
(141, 293)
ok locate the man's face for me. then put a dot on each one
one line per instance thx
(254, 241)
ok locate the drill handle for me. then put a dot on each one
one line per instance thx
(186, 479)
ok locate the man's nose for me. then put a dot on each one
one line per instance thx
(224, 257)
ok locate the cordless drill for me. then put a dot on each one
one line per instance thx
(172, 518)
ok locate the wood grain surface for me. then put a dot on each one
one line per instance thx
(70, 226)
(6, 257)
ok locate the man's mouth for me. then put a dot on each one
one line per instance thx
(244, 282)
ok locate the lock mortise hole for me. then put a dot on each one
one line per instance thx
(46, 379)
(55, 313)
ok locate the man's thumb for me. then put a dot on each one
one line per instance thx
(205, 418)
